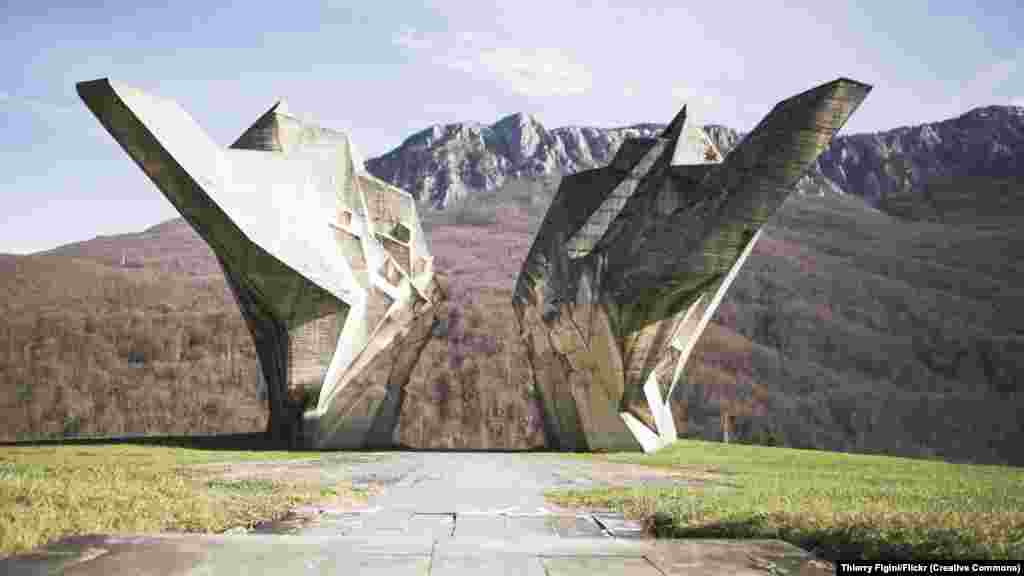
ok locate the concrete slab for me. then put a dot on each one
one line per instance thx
(545, 546)
(480, 526)
(607, 566)
(326, 562)
(386, 523)
(497, 565)
(300, 555)
(576, 527)
(523, 526)
(433, 525)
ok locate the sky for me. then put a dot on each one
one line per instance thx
(384, 70)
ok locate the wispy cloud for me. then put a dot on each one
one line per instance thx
(535, 71)
(529, 71)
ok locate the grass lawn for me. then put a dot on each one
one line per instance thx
(48, 492)
(835, 504)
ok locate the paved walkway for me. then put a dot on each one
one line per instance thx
(439, 513)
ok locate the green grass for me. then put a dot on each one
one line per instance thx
(838, 505)
(51, 492)
(247, 486)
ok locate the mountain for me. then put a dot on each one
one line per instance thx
(442, 164)
(887, 323)
(171, 246)
(898, 170)
(890, 169)
(857, 330)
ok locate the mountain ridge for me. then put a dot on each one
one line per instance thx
(446, 163)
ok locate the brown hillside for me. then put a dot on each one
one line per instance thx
(87, 348)
(848, 329)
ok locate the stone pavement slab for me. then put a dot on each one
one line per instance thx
(434, 513)
(194, 555)
(480, 526)
(496, 564)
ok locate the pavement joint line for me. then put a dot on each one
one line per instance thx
(604, 528)
(601, 522)
(655, 566)
(433, 553)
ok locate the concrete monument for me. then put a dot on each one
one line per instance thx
(633, 259)
(330, 266)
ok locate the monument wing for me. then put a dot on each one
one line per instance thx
(611, 310)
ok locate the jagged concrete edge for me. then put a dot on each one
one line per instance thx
(734, 192)
(106, 103)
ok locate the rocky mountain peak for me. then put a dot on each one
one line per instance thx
(520, 119)
(898, 164)
(444, 163)
(521, 136)
(441, 164)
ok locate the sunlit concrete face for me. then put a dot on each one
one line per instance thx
(633, 259)
(328, 264)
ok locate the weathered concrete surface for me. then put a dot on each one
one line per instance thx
(633, 259)
(436, 513)
(329, 265)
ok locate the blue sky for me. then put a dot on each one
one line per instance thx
(383, 70)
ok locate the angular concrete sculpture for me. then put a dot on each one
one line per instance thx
(330, 267)
(632, 260)
(328, 264)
